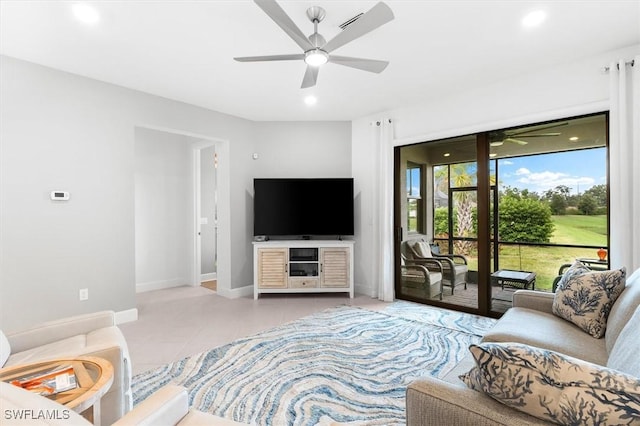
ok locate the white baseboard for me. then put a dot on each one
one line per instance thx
(208, 277)
(235, 293)
(126, 316)
(159, 285)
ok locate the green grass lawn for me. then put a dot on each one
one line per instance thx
(575, 229)
(545, 261)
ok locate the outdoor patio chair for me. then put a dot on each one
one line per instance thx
(454, 266)
(419, 281)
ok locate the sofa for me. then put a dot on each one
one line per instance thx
(93, 334)
(168, 406)
(531, 321)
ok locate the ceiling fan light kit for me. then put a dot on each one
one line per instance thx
(316, 57)
(317, 51)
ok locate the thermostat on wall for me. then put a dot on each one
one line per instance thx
(59, 195)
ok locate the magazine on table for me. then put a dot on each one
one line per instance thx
(49, 382)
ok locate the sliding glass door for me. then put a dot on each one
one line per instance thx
(480, 216)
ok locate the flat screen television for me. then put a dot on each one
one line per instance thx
(303, 207)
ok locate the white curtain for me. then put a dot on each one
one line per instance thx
(383, 229)
(624, 152)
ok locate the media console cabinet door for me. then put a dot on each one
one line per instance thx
(272, 267)
(335, 267)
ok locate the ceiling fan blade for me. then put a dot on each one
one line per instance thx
(538, 128)
(541, 135)
(292, 57)
(280, 17)
(517, 141)
(310, 77)
(371, 65)
(379, 15)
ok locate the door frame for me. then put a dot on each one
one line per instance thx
(483, 190)
(223, 269)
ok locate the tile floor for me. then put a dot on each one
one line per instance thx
(182, 321)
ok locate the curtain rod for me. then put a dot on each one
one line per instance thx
(631, 62)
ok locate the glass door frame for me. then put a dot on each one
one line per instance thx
(483, 231)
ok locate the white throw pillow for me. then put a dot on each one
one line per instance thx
(552, 386)
(422, 248)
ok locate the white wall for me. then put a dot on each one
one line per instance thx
(64, 132)
(303, 149)
(570, 89)
(163, 180)
(61, 131)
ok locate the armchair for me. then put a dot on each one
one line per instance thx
(454, 266)
(168, 406)
(421, 282)
(92, 334)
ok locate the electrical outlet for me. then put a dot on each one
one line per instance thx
(83, 294)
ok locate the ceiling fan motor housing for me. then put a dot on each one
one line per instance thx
(316, 14)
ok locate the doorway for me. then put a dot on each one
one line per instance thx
(167, 214)
(206, 196)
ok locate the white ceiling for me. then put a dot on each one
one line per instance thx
(183, 50)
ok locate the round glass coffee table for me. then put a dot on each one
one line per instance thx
(93, 377)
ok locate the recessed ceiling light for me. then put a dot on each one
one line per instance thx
(493, 154)
(86, 13)
(533, 19)
(446, 154)
(573, 138)
(310, 100)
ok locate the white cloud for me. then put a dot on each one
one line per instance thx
(507, 163)
(548, 180)
(522, 171)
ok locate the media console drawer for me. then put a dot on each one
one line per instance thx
(305, 282)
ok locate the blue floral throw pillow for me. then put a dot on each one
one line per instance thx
(585, 297)
(554, 387)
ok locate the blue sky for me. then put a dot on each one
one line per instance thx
(579, 170)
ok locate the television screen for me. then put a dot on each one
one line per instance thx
(303, 207)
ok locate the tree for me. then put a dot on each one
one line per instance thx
(599, 194)
(558, 204)
(441, 222)
(460, 175)
(587, 204)
(524, 220)
(559, 199)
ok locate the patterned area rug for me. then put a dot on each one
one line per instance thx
(342, 365)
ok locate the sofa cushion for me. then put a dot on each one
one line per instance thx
(422, 248)
(545, 330)
(623, 309)
(586, 297)
(552, 386)
(624, 355)
(5, 349)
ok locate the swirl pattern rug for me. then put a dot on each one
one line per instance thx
(344, 365)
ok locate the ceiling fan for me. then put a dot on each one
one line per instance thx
(500, 137)
(316, 50)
